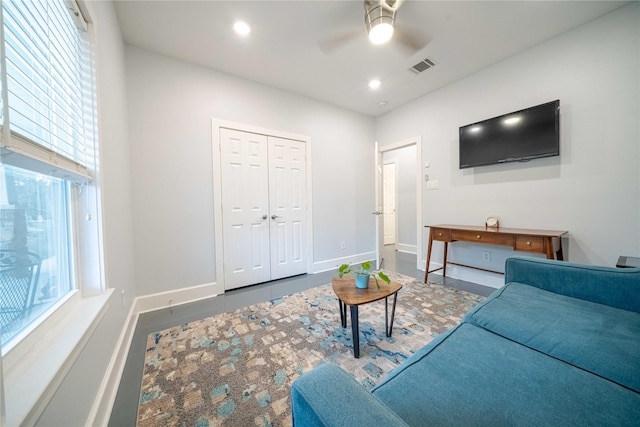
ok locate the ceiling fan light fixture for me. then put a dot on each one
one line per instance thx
(381, 33)
(380, 20)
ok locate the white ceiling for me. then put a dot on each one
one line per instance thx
(283, 49)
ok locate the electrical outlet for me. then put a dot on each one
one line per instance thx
(433, 185)
(486, 256)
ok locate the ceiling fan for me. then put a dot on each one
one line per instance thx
(381, 27)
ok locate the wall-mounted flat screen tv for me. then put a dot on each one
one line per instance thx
(519, 136)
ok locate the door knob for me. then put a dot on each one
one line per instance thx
(265, 216)
(376, 213)
(275, 216)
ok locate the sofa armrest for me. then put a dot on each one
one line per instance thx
(616, 287)
(328, 396)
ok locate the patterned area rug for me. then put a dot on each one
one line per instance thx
(236, 368)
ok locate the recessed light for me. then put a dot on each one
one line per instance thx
(374, 84)
(511, 120)
(242, 28)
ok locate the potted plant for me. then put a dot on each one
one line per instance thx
(362, 274)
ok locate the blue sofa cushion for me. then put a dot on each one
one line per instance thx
(328, 396)
(470, 376)
(616, 287)
(595, 337)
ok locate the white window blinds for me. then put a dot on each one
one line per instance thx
(48, 103)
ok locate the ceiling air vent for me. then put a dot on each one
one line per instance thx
(422, 66)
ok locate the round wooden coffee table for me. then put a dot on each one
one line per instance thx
(347, 293)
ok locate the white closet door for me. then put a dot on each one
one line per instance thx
(245, 208)
(287, 207)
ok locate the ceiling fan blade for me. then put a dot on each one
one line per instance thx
(331, 44)
(410, 38)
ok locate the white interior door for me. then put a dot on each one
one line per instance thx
(378, 211)
(245, 208)
(287, 207)
(389, 202)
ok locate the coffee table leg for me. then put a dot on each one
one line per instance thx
(343, 313)
(355, 331)
(386, 318)
(393, 313)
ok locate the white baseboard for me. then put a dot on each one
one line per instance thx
(484, 278)
(333, 264)
(410, 249)
(176, 297)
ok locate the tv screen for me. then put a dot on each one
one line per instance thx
(519, 136)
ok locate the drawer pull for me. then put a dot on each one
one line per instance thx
(528, 243)
(478, 236)
(439, 234)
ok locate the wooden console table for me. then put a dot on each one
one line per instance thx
(545, 242)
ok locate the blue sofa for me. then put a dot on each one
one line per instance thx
(558, 344)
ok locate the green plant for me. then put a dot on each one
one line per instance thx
(365, 268)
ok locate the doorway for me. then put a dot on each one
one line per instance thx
(389, 224)
(399, 198)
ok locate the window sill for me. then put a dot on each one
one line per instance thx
(32, 376)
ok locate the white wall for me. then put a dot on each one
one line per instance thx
(72, 403)
(591, 190)
(171, 104)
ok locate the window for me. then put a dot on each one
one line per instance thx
(35, 251)
(52, 293)
(47, 157)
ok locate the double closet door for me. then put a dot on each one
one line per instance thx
(264, 207)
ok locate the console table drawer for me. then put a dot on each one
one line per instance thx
(530, 243)
(482, 236)
(441, 234)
